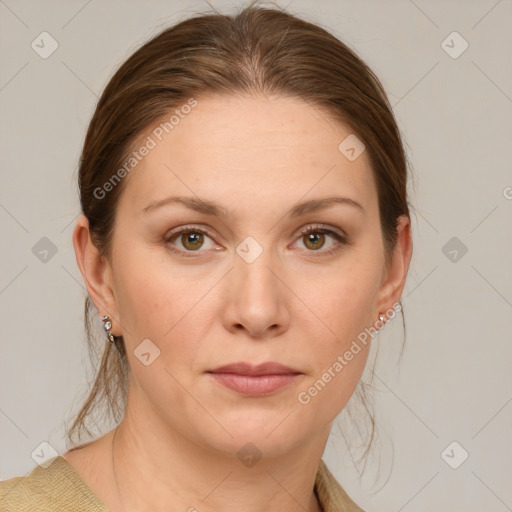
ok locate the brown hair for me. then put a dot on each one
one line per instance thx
(258, 50)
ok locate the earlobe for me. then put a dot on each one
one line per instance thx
(96, 272)
(396, 273)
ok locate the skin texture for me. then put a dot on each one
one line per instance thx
(295, 304)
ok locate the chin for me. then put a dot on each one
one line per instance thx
(271, 431)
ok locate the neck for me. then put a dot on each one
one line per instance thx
(156, 469)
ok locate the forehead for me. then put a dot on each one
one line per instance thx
(248, 147)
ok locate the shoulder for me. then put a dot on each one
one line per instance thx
(331, 495)
(56, 487)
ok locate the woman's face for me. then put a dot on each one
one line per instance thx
(244, 283)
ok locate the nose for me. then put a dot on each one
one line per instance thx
(256, 299)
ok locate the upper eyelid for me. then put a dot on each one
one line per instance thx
(190, 227)
(314, 226)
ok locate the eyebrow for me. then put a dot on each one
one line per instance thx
(210, 208)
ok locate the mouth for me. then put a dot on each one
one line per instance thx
(261, 380)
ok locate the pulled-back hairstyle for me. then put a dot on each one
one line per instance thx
(259, 50)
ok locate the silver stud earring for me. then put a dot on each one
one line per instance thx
(382, 320)
(107, 325)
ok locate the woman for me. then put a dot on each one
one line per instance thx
(245, 232)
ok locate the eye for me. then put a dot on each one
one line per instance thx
(191, 240)
(188, 240)
(315, 238)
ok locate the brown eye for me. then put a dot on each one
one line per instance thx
(189, 240)
(314, 240)
(192, 240)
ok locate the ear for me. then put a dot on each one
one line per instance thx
(395, 274)
(96, 271)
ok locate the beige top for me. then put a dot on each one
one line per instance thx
(59, 488)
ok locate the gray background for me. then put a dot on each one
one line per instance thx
(453, 382)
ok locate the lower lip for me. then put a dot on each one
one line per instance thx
(255, 385)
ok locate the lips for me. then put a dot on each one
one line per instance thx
(261, 369)
(250, 380)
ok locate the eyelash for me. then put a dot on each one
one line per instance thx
(315, 228)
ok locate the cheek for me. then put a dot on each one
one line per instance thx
(344, 304)
(160, 301)
(148, 297)
(158, 304)
(345, 301)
